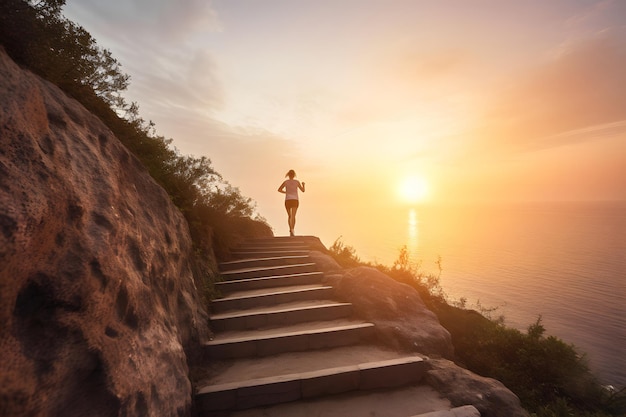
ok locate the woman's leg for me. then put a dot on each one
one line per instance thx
(292, 218)
(288, 216)
(292, 208)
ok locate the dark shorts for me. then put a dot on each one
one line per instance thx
(289, 204)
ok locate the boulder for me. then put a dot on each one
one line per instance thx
(325, 263)
(401, 318)
(97, 299)
(463, 387)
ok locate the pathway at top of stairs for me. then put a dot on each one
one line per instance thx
(281, 341)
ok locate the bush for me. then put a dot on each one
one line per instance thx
(344, 255)
(36, 35)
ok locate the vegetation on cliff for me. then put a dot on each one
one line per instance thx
(548, 375)
(37, 36)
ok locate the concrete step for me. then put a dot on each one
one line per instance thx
(278, 240)
(243, 300)
(260, 262)
(267, 253)
(287, 240)
(306, 278)
(233, 370)
(309, 384)
(385, 402)
(280, 338)
(464, 411)
(268, 271)
(269, 248)
(294, 338)
(281, 315)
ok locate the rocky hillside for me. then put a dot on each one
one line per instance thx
(98, 304)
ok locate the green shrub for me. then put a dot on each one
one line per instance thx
(344, 255)
(38, 36)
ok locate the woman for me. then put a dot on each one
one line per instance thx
(290, 189)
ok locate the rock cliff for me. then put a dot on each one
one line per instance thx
(97, 299)
(401, 318)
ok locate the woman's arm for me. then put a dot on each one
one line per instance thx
(301, 186)
(281, 189)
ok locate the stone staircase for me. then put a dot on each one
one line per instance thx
(281, 340)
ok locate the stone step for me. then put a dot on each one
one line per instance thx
(243, 300)
(282, 240)
(269, 247)
(401, 401)
(464, 411)
(295, 338)
(268, 271)
(278, 240)
(307, 385)
(244, 254)
(259, 262)
(306, 278)
(282, 315)
(280, 338)
(233, 370)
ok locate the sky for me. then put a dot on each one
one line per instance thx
(468, 100)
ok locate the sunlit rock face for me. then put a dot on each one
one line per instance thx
(401, 318)
(98, 307)
(463, 387)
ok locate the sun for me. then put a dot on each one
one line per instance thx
(413, 189)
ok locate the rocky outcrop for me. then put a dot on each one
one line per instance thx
(463, 387)
(401, 318)
(97, 299)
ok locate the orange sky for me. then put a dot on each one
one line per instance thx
(483, 100)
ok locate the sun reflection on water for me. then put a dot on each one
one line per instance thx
(413, 231)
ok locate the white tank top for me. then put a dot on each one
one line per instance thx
(291, 188)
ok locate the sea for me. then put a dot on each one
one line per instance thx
(562, 262)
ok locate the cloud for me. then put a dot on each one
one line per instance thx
(169, 21)
(595, 11)
(432, 66)
(581, 87)
(178, 80)
(250, 156)
(154, 41)
(403, 84)
(183, 17)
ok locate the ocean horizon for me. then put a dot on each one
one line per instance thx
(563, 262)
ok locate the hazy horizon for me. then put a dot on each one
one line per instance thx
(374, 102)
